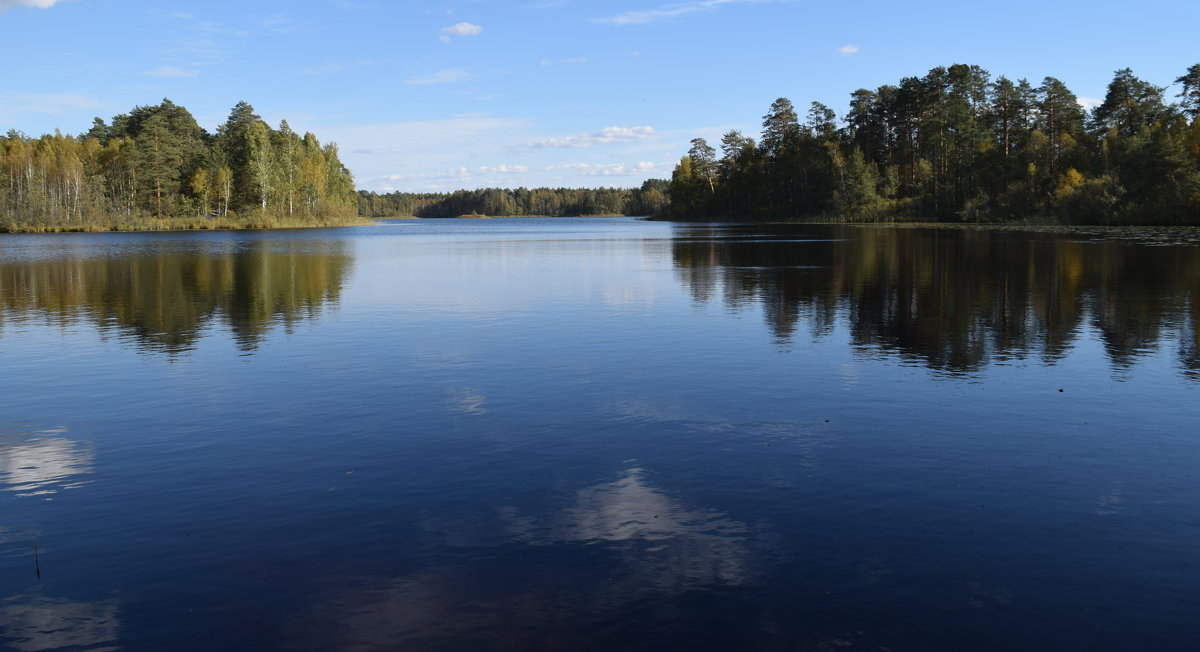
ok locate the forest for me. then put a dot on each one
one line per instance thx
(156, 168)
(954, 145)
(958, 146)
(650, 199)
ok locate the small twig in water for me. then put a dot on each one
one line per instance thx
(37, 560)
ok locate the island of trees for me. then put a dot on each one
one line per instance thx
(650, 199)
(156, 168)
(956, 145)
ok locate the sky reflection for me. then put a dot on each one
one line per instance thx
(42, 462)
(614, 546)
(34, 623)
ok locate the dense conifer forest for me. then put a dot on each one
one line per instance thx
(650, 199)
(156, 168)
(957, 145)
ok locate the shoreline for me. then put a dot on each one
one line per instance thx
(1030, 224)
(183, 225)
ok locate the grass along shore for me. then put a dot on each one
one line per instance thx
(195, 223)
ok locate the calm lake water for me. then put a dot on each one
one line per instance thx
(600, 434)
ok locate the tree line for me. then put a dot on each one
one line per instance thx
(650, 199)
(155, 166)
(957, 145)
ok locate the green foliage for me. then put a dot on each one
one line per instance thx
(1190, 81)
(954, 145)
(1079, 199)
(650, 199)
(155, 167)
(704, 162)
(1129, 105)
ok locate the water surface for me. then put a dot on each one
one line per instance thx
(600, 434)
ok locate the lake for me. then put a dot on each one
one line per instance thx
(599, 434)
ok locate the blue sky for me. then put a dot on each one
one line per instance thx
(474, 93)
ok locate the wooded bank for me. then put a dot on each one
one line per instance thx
(156, 168)
(956, 145)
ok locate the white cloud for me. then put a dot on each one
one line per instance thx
(667, 12)
(173, 72)
(350, 5)
(641, 168)
(453, 173)
(452, 137)
(14, 104)
(456, 178)
(1089, 103)
(459, 173)
(279, 24)
(605, 135)
(554, 62)
(446, 76)
(505, 169)
(324, 68)
(484, 150)
(460, 29)
(40, 4)
(848, 49)
(192, 42)
(417, 155)
(338, 67)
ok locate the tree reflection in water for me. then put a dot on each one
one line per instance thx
(165, 298)
(956, 299)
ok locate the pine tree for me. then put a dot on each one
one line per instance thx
(704, 163)
(156, 159)
(781, 127)
(233, 137)
(1190, 95)
(1129, 104)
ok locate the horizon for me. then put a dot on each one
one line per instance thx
(478, 94)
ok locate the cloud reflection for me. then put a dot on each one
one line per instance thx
(670, 546)
(37, 623)
(510, 581)
(40, 463)
(467, 400)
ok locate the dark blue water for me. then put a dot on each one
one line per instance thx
(600, 434)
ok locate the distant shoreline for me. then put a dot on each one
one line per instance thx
(498, 217)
